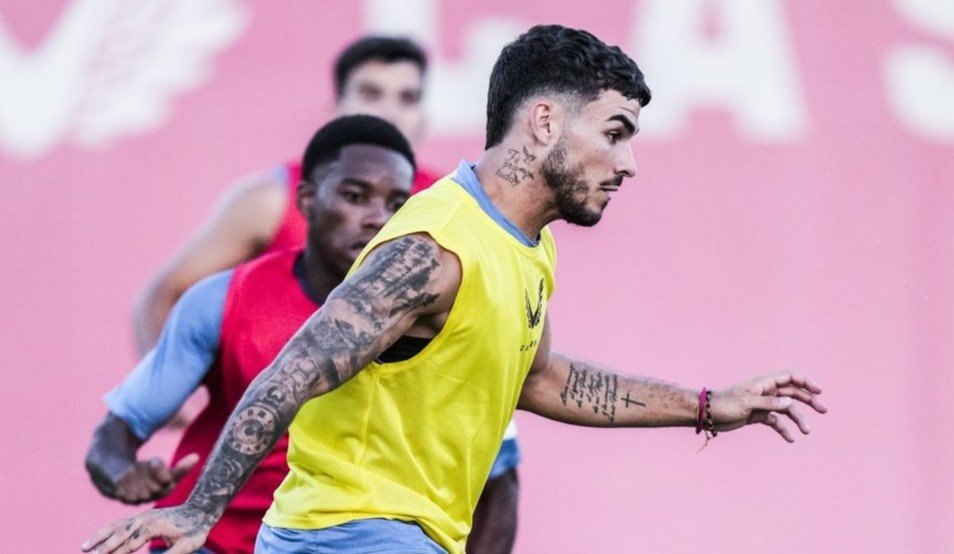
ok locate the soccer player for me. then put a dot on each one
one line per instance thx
(382, 76)
(466, 266)
(229, 326)
(376, 75)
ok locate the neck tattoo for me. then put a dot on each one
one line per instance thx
(516, 168)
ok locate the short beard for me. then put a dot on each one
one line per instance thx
(569, 188)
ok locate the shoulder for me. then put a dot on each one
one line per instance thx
(411, 254)
(251, 209)
(414, 266)
(260, 193)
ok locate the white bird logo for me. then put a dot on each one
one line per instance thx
(108, 68)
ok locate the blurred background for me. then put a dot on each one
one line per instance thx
(794, 208)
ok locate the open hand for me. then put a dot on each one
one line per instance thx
(183, 528)
(767, 400)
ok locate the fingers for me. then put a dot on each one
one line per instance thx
(184, 466)
(152, 486)
(159, 472)
(804, 397)
(770, 403)
(767, 399)
(775, 422)
(133, 491)
(123, 543)
(113, 539)
(785, 378)
(123, 536)
(141, 483)
(799, 420)
(97, 538)
(131, 534)
(781, 405)
(181, 469)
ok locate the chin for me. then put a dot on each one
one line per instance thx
(582, 214)
(583, 218)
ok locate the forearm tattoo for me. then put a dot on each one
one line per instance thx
(327, 351)
(516, 167)
(595, 390)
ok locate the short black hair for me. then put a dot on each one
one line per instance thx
(346, 130)
(557, 59)
(376, 48)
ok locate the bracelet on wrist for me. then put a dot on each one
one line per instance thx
(704, 422)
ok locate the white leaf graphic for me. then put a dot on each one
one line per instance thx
(108, 68)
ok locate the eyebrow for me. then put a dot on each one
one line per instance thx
(355, 182)
(368, 85)
(361, 183)
(626, 123)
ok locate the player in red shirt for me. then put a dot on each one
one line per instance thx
(229, 326)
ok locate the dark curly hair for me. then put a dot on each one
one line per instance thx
(376, 48)
(558, 60)
(327, 143)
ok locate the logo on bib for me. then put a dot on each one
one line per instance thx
(533, 315)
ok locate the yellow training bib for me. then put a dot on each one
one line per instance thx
(415, 440)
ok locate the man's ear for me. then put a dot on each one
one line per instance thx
(305, 198)
(547, 118)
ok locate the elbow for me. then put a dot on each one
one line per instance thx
(526, 400)
(160, 293)
(150, 310)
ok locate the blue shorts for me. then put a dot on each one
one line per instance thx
(361, 536)
(507, 458)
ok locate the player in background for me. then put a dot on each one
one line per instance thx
(381, 76)
(227, 327)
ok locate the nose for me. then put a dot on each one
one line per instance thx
(626, 164)
(387, 109)
(377, 214)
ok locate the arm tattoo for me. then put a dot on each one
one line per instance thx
(516, 167)
(327, 351)
(594, 389)
(398, 275)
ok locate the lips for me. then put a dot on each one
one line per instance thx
(612, 185)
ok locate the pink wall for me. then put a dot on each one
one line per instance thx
(794, 209)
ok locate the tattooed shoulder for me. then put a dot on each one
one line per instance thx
(398, 277)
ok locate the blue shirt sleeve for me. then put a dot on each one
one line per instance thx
(162, 381)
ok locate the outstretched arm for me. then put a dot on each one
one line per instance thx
(152, 393)
(402, 283)
(570, 390)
